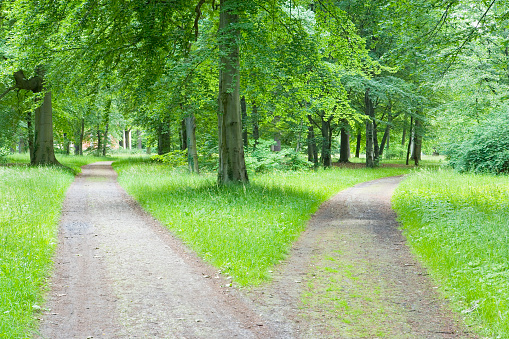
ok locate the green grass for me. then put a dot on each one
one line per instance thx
(458, 224)
(71, 161)
(243, 230)
(31, 200)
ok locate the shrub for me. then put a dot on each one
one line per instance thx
(487, 151)
(175, 158)
(262, 159)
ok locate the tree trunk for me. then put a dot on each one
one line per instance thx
(243, 110)
(183, 135)
(417, 149)
(376, 148)
(403, 138)
(44, 153)
(192, 153)
(128, 139)
(370, 112)
(326, 142)
(344, 150)
(409, 141)
(358, 144)
(139, 141)
(232, 167)
(30, 136)
(256, 130)
(312, 148)
(99, 141)
(163, 138)
(106, 121)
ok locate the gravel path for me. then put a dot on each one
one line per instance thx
(351, 275)
(120, 274)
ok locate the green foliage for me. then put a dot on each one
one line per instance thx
(262, 159)
(244, 230)
(486, 151)
(395, 151)
(172, 159)
(457, 223)
(31, 201)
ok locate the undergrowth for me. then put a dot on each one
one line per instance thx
(29, 212)
(243, 230)
(458, 224)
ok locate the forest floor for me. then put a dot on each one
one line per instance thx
(120, 274)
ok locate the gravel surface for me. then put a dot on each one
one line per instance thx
(120, 274)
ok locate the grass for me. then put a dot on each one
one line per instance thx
(243, 230)
(31, 200)
(29, 212)
(458, 225)
(71, 161)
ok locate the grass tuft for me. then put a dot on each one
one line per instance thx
(458, 225)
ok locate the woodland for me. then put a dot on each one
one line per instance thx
(382, 78)
(273, 103)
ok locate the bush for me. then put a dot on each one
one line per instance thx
(262, 159)
(487, 151)
(174, 158)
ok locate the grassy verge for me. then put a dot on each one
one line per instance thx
(244, 230)
(458, 225)
(31, 201)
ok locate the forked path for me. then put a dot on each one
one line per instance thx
(351, 275)
(120, 274)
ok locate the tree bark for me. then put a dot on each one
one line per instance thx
(232, 167)
(344, 150)
(44, 153)
(163, 138)
(370, 112)
(358, 144)
(106, 120)
(192, 153)
(417, 149)
(312, 149)
(326, 142)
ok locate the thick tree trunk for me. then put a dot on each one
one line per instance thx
(127, 139)
(44, 153)
(232, 167)
(344, 150)
(370, 112)
(376, 148)
(192, 153)
(99, 141)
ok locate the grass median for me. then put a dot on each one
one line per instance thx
(243, 230)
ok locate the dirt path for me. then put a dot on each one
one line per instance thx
(120, 274)
(351, 275)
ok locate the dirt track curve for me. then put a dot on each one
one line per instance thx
(120, 274)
